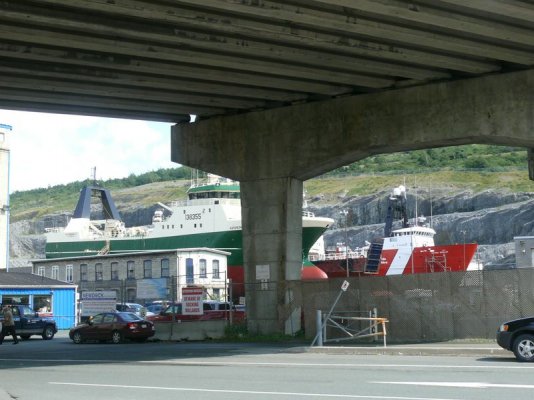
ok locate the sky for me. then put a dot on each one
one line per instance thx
(52, 149)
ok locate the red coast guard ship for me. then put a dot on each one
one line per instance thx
(407, 250)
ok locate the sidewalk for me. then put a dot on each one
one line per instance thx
(482, 348)
(467, 347)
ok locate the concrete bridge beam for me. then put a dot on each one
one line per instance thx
(304, 141)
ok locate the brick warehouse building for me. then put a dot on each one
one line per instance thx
(145, 276)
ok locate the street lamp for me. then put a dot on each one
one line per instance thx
(346, 213)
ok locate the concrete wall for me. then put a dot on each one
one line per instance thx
(199, 330)
(428, 307)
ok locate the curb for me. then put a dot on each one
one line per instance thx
(411, 351)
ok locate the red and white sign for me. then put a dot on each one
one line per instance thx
(192, 301)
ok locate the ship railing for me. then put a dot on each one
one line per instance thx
(337, 256)
(214, 201)
(308, 214)
(211, 182)
(178, 203)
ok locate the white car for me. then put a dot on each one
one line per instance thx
(135, 308)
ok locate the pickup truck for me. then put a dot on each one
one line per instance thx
(28, 323)
(174, 313)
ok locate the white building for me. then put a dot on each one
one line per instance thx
(145, 276)
(5, 131)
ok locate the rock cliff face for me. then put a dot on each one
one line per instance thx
(489, 218)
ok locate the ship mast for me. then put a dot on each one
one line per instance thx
(93, 175)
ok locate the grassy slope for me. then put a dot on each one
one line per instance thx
(459, 168)
(139, 196)
(330, 187)
(455, 181)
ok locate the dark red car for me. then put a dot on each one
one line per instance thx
(114, 327)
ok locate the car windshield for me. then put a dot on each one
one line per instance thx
(128, 316)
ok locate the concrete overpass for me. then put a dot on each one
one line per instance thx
(284, 90)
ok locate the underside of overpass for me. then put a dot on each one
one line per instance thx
(283, 90)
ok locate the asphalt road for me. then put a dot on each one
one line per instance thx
(59, 369)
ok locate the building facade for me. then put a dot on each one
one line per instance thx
(143, 277)
(5, 131)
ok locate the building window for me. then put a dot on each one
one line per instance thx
(130, 267)
(215, 269)
(83, 272)
(114, 271)
(41, 271)
(189, 271)
(147, 269)
(55, 272)
(69, 275)
(99, 275)
(202, 268)
(216, 294)
(164, 267)
(42, 304)
(130, 295)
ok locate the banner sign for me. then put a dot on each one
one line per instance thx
(192, 301)
(152, 288)
(96, 302)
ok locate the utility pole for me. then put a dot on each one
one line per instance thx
(5, 131)
(346, 213)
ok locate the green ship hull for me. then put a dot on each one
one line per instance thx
(230, 241)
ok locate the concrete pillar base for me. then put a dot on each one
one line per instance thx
(272, 244)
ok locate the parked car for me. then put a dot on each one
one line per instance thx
(29, 322)
(518, 336)
(114, 327)
(155, 308)
(135, 308)
(218, 305)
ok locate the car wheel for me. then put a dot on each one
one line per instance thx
(48, 333)
(25, 337)
(524, 347)
(116, 337)
(77, 338)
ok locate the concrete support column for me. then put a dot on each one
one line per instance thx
(272, 244)
(530, 160)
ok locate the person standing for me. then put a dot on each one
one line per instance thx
(8, 326)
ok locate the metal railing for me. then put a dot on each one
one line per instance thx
(349, 327)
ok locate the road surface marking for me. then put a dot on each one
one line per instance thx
(248, 392)
(474, 385)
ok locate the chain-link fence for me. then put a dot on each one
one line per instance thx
(430, 307)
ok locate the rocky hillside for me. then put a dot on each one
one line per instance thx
(487, 208)
(491, 218)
